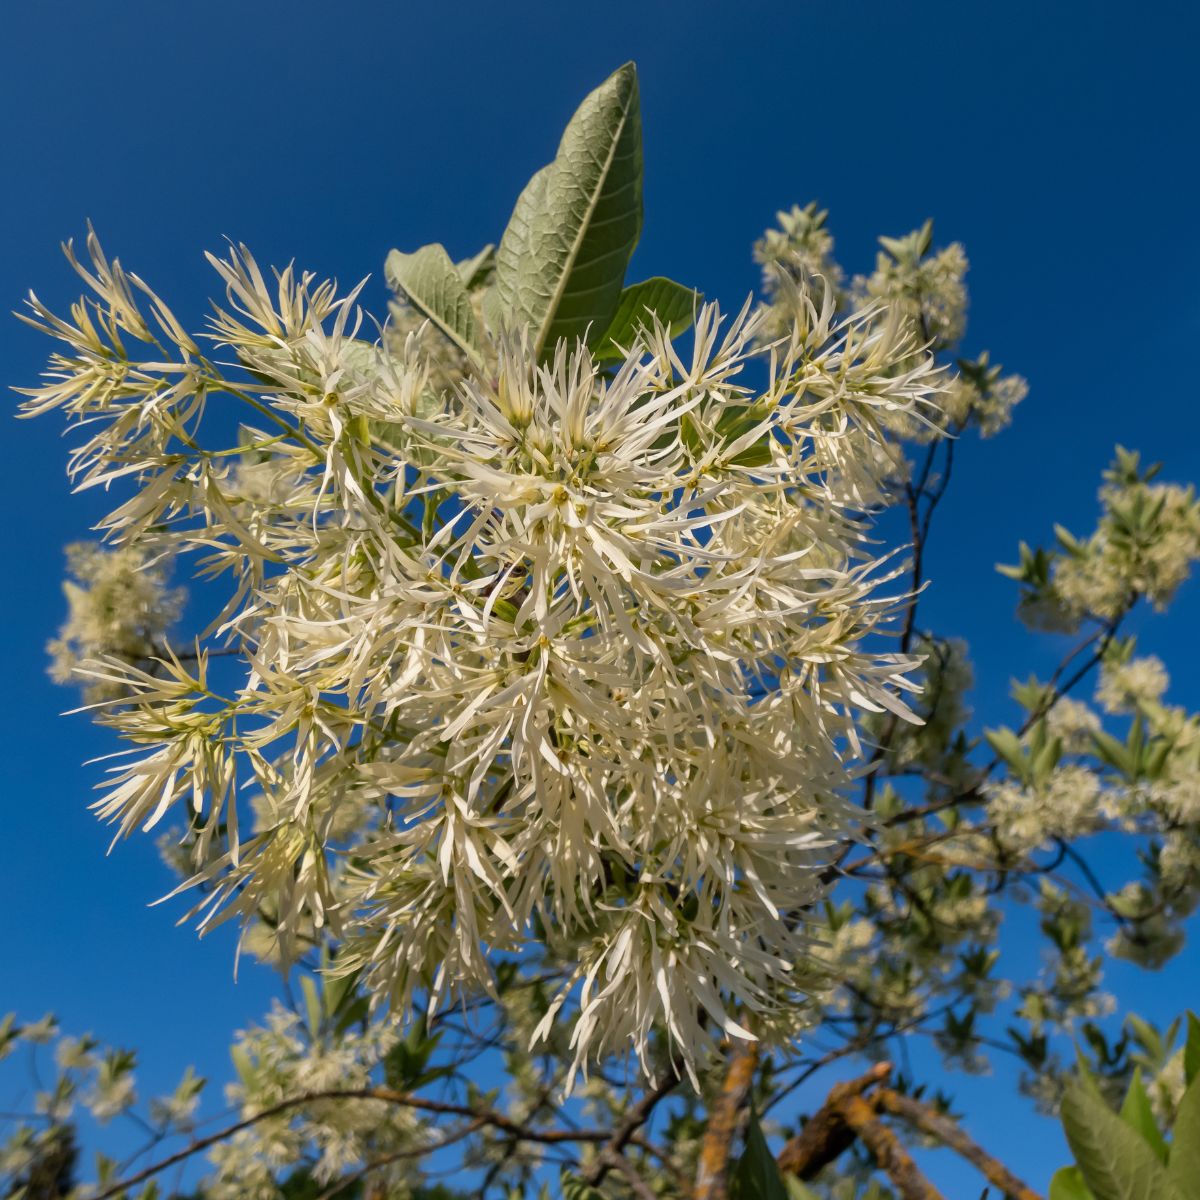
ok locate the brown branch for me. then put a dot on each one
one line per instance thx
(723, 1120)
(377, 1164)
(637, 1185)
(1100, 639)
(893, 1159)
(486, 1116)
(826, 1135)
(637, 1116)
(665, 1159)
(950, 1134)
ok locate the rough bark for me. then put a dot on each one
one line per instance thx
(712, 1174)
(893, 1159)
(826, 1135)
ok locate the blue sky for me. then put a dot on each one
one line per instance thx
(1058, 142)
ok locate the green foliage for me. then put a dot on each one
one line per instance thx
(1184, 1164)
(562, 260)
(436, 288)
(671, 302)
(1137, 1113)
(1068, 1184)
(302, 1185)
(1127, 1156)
(756, 1176)
(406, 1065)
(49, 1173)
(1191, 1051)
(1116, 1162)
(574, 1188)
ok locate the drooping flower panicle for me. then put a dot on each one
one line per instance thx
(539, 656)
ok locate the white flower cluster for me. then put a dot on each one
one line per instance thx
(799, 249)
(557, 659)
(924, 288)
(119, 606)
(1067, 804)
(281, 1064)
(928, 287)
(88, 1075)
(980, 393)
(1144, 545)
(1127, 683)
(280, 1060)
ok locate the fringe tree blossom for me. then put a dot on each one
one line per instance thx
(547, 672)
(118, 603)
(580, 652)
(353, 796)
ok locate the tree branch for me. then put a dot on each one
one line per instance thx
(486, 1116)
(950, 1134)
(723, 1120)
(893, 1159)
(826, 1134)
(637, 1116)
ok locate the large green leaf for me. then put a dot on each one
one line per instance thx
(1116, 1161)
(1184, 1166)
(1068, 1184)
(562, 259)
(435, 288)
(757, 1175)
(671, 302)
(500, 305)
(1137, 1113)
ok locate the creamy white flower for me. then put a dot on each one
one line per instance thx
(539, 658)
(1125, 685)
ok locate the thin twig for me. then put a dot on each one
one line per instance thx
(637, 1116)
(950, 1133)
(485, 1116)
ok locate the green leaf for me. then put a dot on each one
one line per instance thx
(313, 1007)
(1046, 759)
(518, 247)
(562, 259)
(671, 302)
(758, 455)
(435, 288)
(1184, 1165)
(1137, 1114)
(1086, 1079)
(757, 1175)
(1115, 753)
(405, 1066)
(339, 991)
(1149, 1037)
(243, 1064)
(1068, 1184)
(1008, 746)
(1191, 1049)
(800, 1191)
(574, 1188)
(353, 1013)
(474, 271)
(1116, 1161)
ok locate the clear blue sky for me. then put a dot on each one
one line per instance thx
(1057, 141)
